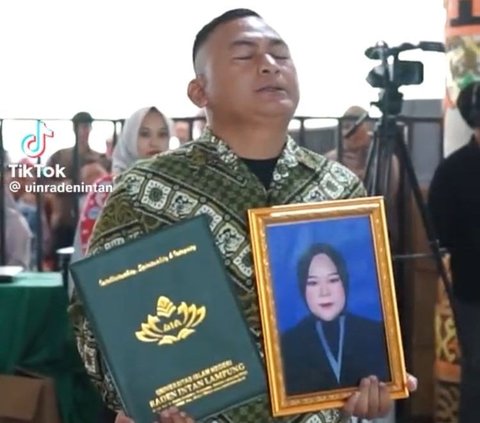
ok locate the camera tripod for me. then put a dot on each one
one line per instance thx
(388, 141)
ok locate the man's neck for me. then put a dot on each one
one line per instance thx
(83, 147)
(254, 141)
(355, 148)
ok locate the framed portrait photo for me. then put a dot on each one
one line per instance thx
(327, 302)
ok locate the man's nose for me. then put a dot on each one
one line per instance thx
(268, 64)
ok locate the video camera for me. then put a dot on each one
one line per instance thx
(390, 75)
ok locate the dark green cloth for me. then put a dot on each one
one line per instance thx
(36, 334)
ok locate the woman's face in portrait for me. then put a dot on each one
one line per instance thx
(324, 292)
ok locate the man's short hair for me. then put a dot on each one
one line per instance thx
(82, 117)
(228, 16)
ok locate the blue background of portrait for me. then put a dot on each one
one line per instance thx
(351, 236)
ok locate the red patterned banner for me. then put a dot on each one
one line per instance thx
(462, 36)
(462, 42)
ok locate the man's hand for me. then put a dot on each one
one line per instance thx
(170, 415)
(373, 399)
(173, 415)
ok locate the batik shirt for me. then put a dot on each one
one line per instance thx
(207, 177)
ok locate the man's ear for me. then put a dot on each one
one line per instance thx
(196, 92)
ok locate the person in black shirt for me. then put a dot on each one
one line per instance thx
(454, 202)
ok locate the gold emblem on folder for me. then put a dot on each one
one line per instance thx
(172, 323)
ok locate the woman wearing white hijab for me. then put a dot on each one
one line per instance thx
(146, 133)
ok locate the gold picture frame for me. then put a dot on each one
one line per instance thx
(290, 284)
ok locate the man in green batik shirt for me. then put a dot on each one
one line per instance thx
(247, 83)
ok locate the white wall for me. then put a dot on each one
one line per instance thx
(59, 57)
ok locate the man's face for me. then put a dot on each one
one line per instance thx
(360, 139)
(182, 131)
(83, 132)
(248, 71)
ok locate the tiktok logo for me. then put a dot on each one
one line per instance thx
(33, 145)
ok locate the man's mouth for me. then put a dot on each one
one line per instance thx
(326, 305)
(270, 88)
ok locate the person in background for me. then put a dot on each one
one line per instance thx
(182, 131)
(18, 236)
(109, 151)
(62, 205)
(355, 150)
(199, 124)
(82, 127)
(454, 203)
(355, 147)
(146, 133)
(26, 204)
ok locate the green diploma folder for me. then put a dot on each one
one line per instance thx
(164, 313)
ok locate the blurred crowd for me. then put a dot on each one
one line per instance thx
(66, 219)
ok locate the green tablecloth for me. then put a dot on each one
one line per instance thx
(36, 334)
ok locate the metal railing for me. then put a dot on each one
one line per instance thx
(321, 138)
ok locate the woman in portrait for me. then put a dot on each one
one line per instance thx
(330, 348)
